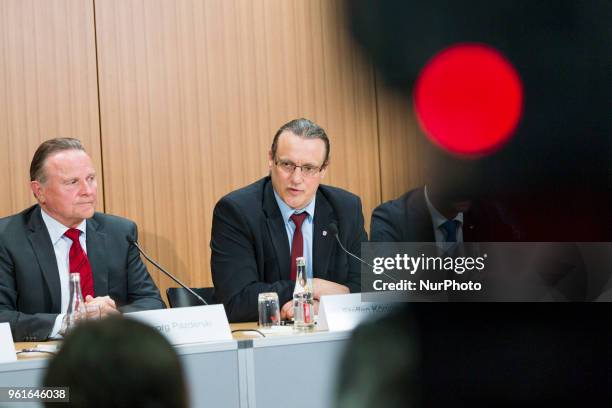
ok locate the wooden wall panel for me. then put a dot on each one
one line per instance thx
(48, 87)
(403, 148)
(191, 93)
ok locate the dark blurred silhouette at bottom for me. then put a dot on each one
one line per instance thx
(477, 355)
(118, 362)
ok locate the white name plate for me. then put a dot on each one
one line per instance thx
(345, 312)
(7, 347)
(184, 325)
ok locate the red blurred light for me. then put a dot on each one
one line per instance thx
(468, 99)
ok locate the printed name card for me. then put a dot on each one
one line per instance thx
(345, 312)
(188, 324)
(7, 347)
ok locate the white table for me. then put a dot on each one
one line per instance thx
(297, 370)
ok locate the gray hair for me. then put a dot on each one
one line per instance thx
(46, 149)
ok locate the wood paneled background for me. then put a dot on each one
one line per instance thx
(48, 87)
(177, 103)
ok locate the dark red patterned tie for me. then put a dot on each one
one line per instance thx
(79, 263)
(297, 245)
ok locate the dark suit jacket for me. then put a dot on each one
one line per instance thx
(30, 294)
(561, 268)
(407, 219)
(250, 248)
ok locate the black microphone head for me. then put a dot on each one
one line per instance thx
(333, 228)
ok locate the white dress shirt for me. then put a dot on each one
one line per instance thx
(61, 247)
(438, 219)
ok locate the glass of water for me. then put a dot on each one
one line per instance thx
(269, 311)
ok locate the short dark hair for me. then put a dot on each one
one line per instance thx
(304, 128)
(46, 149)
(116, 362)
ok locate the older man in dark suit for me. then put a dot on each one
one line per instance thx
(258, 231)
(63, 234)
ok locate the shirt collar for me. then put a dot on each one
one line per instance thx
(57, 229)
(437, 218)
(287, 211)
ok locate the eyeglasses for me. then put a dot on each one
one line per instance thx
(307, 169)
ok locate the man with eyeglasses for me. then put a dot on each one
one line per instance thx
(258, 231)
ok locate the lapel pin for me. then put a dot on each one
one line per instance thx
(324, 233)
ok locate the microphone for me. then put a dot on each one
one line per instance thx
(132, 241)
(333, 229)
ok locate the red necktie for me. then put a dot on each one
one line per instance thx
(297, 245)
(79, 263)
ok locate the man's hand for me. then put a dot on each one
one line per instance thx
(107, 305)
(322, 287)
(287, 310)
